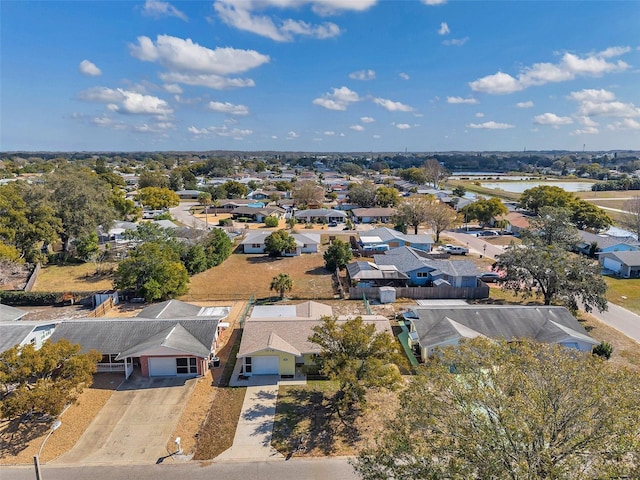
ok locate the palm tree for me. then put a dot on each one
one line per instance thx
(281, 284)
(204, 199)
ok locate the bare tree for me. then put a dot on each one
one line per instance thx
(435, 172)
(308, 193)
(440, 217)
(631, 218)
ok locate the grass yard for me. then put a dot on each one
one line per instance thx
(624, 292)
(306, 411)
(242, 275)
(74, 278)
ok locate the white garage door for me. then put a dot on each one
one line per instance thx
(611, 264)
(159, 367)
(265, 365)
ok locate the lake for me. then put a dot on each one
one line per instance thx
(519, 187)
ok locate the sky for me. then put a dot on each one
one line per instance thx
(319, 75)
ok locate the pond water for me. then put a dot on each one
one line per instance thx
(519, 187)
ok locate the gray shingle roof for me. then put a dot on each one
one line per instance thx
(176, 338)
(319, 212)
(360, 270)
(13, 334)
(11, 314)
(408, 259)
(435, 325)
(170, 309)
(388, 234)
(605, 241)
(631, 259)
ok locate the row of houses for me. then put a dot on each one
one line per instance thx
(175, 338)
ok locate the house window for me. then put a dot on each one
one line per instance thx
(422, 274)
(256, 245)
(186, 365)
(247, 365)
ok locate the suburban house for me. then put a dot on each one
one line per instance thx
(394, 239)
(15, 331)
(275, 338)
(166, 339)
(626, 264)
(441, 326)
(516, 222)
(425, 271)
(368, 274)
(257, 214)
(318, 215)
(188, 194)
(372, 215)
(605, 243)
(228, 205)
(305, 243)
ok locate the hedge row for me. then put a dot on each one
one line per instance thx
(21, 298)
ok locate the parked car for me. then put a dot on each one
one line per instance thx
(488, 233)
(489, 277)
(333, 224)
(455, 250)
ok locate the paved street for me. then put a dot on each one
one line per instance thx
(294, 469)
(181, 214)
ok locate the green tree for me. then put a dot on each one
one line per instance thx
(152, 179)
(459, 191)
(337, 256)
(552, 226)
(81, 200)
(387, 197)
(413, 174)
(43, 381)
(217, 247)
(412, 211)
(357, 357)
(271, 221)
(363, 194)
(154, 271)
(281, 283)
(279, 243)
(195, 260)
(484, 210)
(511, 410)
(156, 198)
(349, 168)
(87, 247)
(535, 198)
(588, 216)
(235, 189)
(553, 273)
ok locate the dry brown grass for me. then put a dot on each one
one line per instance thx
(20, 442)
(241, 275)
(74, 278)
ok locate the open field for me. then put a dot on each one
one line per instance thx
(240, 276)
(624, 292)
(74, 278)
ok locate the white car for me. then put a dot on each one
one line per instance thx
(455, 250)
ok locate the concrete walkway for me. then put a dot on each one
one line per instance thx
(255, 426)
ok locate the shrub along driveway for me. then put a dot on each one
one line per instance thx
(135, 424)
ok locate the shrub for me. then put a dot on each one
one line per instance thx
(271, 221)
(603, 350)
(225, 222)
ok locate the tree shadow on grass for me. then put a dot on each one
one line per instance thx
(264, 259)
(318, 271)
(16, 435)
(309, 416)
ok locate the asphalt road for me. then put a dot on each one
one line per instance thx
(181, 213)
(616, 316)
(294, 469)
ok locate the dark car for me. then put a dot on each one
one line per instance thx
(489, 277)
(488, 233)
(333, 224)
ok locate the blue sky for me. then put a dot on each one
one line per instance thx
(330, 75)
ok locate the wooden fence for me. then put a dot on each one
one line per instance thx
(103, 308)
(32, 278)
(426, 293)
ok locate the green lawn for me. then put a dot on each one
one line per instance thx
(624, 292)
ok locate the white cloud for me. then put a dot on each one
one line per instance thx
(216, 82)
(173, 88)
(89, 68)
(157, 8)
(527, 104)
(241, 16)
(592, 95)
(376, 136)
(329, 133)
(403, 126)
(444, 29)
(292, 135)
(367, 119)
(491, 125)
(221, 131)
(456, 100)
(551, 119)
(587, 122)
(363, 75)
(125, 101)
(357, 128)
(479, 115)
(585, 131)
(614, 52)
(183, 55)
(434, 2)
(568, 68)
(153, 128)
(392, 106)
(338, 99)
(626, 124)
(455, 42)
(404, 76)
(229, 108)
(608, 109)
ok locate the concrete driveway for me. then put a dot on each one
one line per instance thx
(135, 424)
